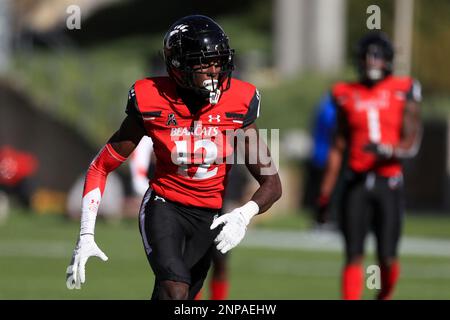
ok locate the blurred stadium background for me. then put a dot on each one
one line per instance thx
(63, 93)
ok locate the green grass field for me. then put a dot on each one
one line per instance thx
(35, 251)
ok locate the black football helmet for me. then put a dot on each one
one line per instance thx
(197, 40)
(378, 45)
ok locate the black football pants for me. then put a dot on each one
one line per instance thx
(177, 240)
(372, 202)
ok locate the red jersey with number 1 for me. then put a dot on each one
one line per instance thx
(191, 149)
(375, 115)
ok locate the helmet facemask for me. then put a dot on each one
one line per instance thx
(213, 84)
(372, 72)
(195, 65)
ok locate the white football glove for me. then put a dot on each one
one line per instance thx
(85, 248)
(235, 226)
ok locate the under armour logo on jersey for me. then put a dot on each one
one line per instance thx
(171, 121)
(216, 118)
(178, 28)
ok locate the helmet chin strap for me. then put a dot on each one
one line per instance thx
(214, 92)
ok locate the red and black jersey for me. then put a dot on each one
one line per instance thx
(375, 115)
(191, 149)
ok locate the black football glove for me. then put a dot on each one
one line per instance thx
(322, 207)
(382, 151)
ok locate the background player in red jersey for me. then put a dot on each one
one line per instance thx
(188, 116)
(378, 125)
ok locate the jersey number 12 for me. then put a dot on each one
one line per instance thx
(202, 169)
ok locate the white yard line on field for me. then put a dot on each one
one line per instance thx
(332, 241)
(255, 238)
(38, 248)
